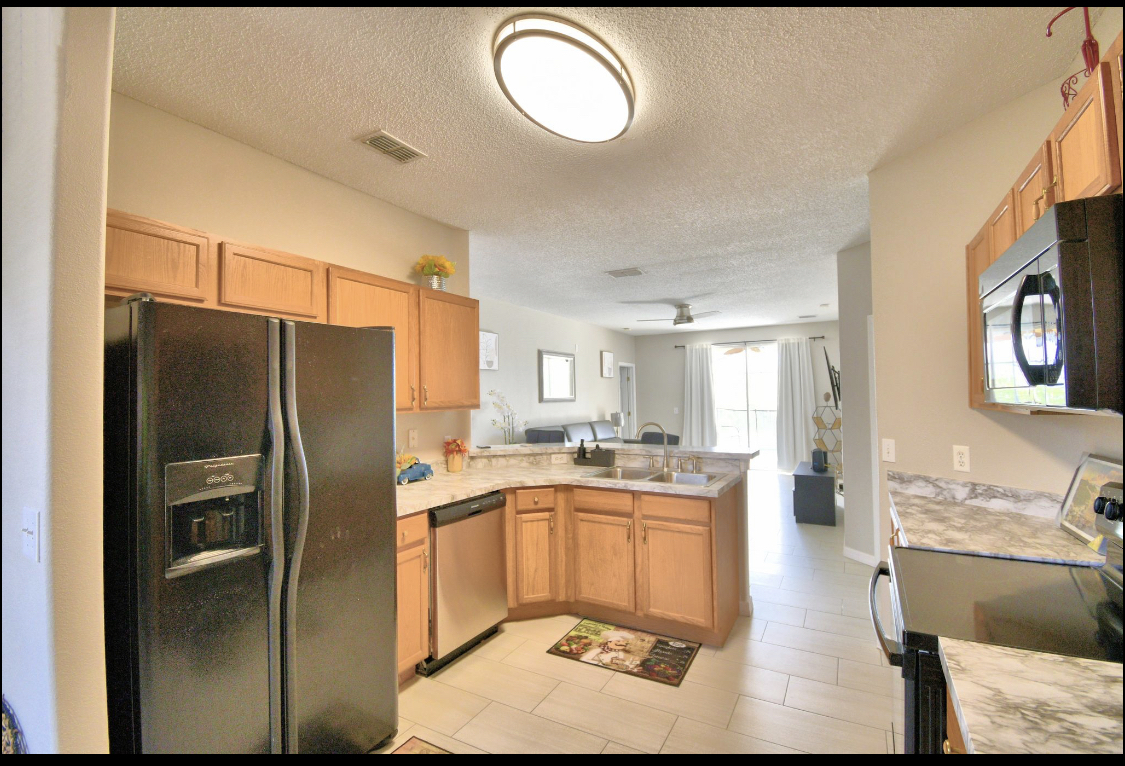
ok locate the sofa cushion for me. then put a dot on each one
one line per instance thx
(545, 435)
(576, 432)
(604, 432)
(655, 437)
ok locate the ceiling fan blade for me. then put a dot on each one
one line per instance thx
(705, 313)
(654, 320)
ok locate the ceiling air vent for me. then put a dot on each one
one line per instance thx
(625, 273)
(389, 145)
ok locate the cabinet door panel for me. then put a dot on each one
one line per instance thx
(356, 299)
(266, 281)
(413, 606)
(1085, 151)
(1034, 190)
(172, 263)
(450, 351)
(1002, 226)
(676, 572)
(535, 557)
(603, 560)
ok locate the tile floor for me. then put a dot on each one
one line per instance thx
(804, 675)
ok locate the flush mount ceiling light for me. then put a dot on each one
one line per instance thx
(563, 78)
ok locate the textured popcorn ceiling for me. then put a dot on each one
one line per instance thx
(743, 174)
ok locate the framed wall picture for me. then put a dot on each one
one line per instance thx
(607, 364)
(489, 350)
(1077, 513)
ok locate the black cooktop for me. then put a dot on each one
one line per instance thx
(1056, 608)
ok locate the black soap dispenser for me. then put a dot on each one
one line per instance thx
(582, 449)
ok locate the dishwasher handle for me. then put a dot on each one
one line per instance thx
(464, 509)
(891, 648)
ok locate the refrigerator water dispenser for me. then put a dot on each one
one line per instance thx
(213, 511)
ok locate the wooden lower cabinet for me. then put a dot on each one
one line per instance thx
(413, 577)
(674, 573)
(536, 571)
(603, 560)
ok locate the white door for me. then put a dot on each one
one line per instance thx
(626, 374)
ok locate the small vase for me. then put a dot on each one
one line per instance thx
(455, 462)
(435, 282)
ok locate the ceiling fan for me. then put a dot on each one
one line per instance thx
(683, 315)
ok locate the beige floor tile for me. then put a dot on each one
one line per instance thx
(764, 578)
(786, 570)
(497, 681)
(824, 588)
(499, 646)
(876, 679)
(403, 735)
(801, 730)
(445, 742)
(690, 736)
(795, 598)
(438, 706)
(613, 718)
(856, 627)
(546, 629)
(707, 651)
(808, 562)
(749, 627)
(614, 748)
(900, 744)
(858, 608)
(693, 700)
(767, 611)
(858, 580)
(864, 708)
(746, 680)
(819, 642)
(890, 742)
(502, 729)
(856, 568)
(533, 656)
(781, 659)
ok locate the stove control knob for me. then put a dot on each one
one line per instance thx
(1112, 510)
(1099, 505)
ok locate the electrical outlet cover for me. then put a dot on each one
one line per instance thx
(412, 438)
(888, 450)
(559, 458)
(960, 458)
(29, 533)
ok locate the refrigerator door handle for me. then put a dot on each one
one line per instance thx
(294, 432)
(276, 463)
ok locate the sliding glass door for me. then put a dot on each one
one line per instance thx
(745, 377)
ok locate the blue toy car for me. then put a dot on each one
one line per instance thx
(415, 472)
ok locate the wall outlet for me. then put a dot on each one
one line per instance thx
(29, 533)
(675, 410)
(559, 458)
(412, 438)
(888, 450)
(960, 458)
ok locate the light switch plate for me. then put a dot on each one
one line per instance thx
(29, 533)
(888, 450)
(960, 458)
(675, 410)
(559, 458)
(412, 438)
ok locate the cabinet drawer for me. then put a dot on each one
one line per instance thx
(535, 499)
(412, 530)
(692, 509)
(602, 500)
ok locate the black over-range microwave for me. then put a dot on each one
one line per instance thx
(1051, 308)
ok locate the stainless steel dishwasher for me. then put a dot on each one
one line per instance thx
(469, 597)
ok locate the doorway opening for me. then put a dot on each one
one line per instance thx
(627, 375)
(745, 380)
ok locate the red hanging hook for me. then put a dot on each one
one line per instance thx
(1090, 53)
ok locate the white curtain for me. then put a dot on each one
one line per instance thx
(700, 428)
(796, 400)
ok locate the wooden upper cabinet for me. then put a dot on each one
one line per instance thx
(536, 558)
(264, 281)
(173, 263)
(977, 259)
(449, 347)
(675, 572)
(1034, 190)
(1085, 152)
(358, 299)
(1002, 226)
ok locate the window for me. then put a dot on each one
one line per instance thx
(745, 377)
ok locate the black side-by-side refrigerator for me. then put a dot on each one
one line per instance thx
(249, 533)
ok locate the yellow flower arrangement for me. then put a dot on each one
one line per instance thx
(435, 265)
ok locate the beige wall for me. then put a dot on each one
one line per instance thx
(523, 332)
(56, 111)
(925, 207)
(163, 167)
(660, 365)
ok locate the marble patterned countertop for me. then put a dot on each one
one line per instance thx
(933, 522)
(719, 453)
(1015, 701)
(450, 487)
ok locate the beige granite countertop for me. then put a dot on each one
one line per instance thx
(719, 453)
(450, 487)
(930, 522)
(1016, 701)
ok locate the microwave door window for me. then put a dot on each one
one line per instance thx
(1006, 380)
(1052, 390)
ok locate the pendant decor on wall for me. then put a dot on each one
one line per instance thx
(828, 422)
(1090, 57)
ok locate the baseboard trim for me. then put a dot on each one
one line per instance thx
(860, 556)
(746, 608)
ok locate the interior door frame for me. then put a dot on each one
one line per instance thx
(629, 430)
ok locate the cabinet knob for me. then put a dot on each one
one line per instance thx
(535, 500)
(644, 532)
(404, 536)
(551, 523)
(628, 531)
(425, 561)
(946, 747)
(413, 394)
(425, 395)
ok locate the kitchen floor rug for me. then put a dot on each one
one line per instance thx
(627, 650)
(415, 746)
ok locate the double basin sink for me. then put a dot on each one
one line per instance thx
(657, 477)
